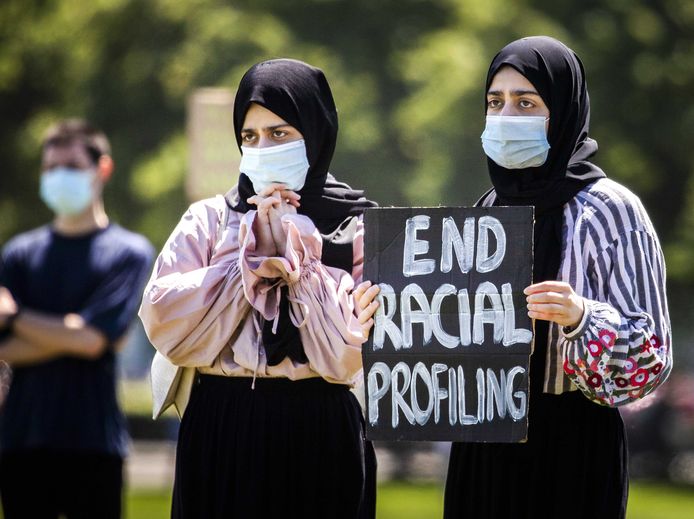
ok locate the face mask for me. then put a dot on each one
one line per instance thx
(67, 191)
(286, 164)
(516, 142)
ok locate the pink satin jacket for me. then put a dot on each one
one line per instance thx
(210, 293)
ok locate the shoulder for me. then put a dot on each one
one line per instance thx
(608, 192)
(127, 238)
(608, 203)
(210, 211)
(127, 244)
(27, 241)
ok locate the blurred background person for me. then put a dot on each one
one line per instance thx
(68, 292)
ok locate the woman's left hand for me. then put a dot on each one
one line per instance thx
(554, 301)
(366, 304)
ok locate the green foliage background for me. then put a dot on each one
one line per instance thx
(408, 80)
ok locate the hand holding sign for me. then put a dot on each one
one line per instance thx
(554, 301)
(364, 303)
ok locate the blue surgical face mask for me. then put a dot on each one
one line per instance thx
(516, 142)
(67, 191)
(286, 164)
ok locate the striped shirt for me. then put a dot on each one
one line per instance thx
(622, 349)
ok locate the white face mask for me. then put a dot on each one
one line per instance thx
(516, 142)
(67, 191)
(286, 164)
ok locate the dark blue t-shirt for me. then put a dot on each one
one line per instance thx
(70, 402)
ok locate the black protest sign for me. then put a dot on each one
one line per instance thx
(448, 356)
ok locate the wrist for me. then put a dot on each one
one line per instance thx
(281, 249)
(574, 332)
(265, 252)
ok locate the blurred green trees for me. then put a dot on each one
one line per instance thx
(408, 80)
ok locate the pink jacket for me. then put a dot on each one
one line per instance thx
(209, 293)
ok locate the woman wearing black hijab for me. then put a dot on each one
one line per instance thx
(598, 301)
(255, 291)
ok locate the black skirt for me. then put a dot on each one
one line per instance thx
(284, 449)
(574, 465)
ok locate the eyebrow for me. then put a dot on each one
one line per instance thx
(516, 93)
(56, 163)
(267, 128)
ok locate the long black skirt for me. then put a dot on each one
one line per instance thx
(284, 449)
(574, 465)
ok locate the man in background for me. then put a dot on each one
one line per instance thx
(68, 292)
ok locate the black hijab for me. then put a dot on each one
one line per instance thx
(300, 94)
(557, 74)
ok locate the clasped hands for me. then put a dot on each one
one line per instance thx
(272, 203)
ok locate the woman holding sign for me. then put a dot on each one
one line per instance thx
(254, 291)
(601, 318)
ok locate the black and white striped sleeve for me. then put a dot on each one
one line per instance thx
(621, 350)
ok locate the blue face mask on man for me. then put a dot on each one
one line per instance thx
(285, 164)
(516, 142)
(67, 191)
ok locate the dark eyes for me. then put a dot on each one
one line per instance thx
(497, 104)
(275, 134)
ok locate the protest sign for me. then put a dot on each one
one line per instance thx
(448, 356)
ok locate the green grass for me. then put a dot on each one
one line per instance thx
(659, 501)
(410, 501)
(148, 505)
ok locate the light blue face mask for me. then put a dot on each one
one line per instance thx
(286, 164)
(67, 191)
(516, 142)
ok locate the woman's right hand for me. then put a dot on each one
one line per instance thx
(365, 304)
